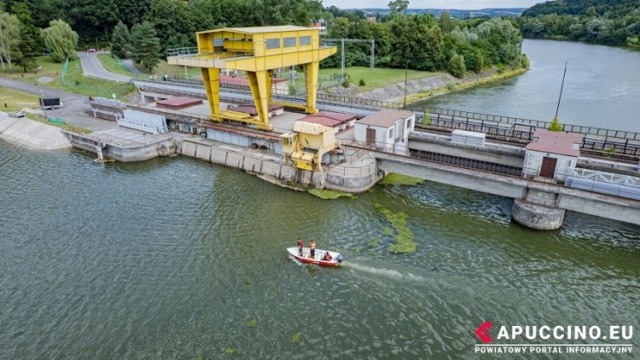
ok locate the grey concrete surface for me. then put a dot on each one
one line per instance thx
(91, 66)
(74, 107)
(31, 134)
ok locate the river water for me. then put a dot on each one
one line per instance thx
(179, 259)
(601, 88)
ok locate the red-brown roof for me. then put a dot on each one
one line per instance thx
(328, 118)
(385, 118)
(555, 142)
(179, 102)
(251, 109)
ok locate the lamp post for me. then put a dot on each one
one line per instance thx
(44, 107)
(404, 106)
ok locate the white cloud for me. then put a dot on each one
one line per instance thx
(434, 4)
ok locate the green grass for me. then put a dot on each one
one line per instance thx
(16, 100)
(47, 68)
(75, 81)
(61, 124)
(376, 78)
(112, 65)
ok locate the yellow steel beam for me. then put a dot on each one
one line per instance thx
(311, 75)
(253, 63)
(211, 79)
(258, 81)
(257, 51)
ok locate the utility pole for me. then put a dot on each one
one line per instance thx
(561, 87)
(404, 106)
(44, 107)
(342, 60)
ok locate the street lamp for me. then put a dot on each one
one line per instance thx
(44, 107)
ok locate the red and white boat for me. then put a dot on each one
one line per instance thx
(336, 258)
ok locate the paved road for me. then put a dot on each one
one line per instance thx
(91, 66)
(73, 111)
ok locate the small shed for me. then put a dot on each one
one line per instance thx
(387, 130)
(552, 154)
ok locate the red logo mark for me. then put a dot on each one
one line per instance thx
(482, 332)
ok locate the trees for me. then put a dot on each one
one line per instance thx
(120, 40)
(30, 41)
(91, 18)
(145, 45)
(417, 44)
(456, 66)
(500, 41)
(445, 22)
(61, 40)
(9, 38)
(600, 22)
(398, 6)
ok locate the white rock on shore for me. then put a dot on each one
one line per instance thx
(31, 134)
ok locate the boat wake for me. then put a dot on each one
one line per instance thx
(389, 273)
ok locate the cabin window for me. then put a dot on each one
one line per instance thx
(218, 42)
(289, 42)
(273, 43)
(390, 133)
(305, 40)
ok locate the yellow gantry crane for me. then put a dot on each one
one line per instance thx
(257, 51)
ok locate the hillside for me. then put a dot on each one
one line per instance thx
(608, 22)
(580, 7)
(455, 13)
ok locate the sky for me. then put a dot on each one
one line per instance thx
(434, 4)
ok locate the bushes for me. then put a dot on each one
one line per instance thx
(456, 66)
(362, 83)
(555, 125)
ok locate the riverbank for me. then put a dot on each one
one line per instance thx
(31, 134)
(428, 87)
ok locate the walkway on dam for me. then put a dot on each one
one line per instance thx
(513, 185)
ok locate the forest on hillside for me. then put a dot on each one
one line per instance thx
(608, 22)
(145, 29)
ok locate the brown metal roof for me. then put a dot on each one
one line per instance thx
(328, 118)
(385, 118)
(555, 142)
(179, 102)
(250, 109)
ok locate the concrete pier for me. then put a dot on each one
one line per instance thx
(538, 217)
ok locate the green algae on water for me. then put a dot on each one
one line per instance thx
(399, 179)
(329, 194)
(296, 337)
(404, 237)
(374, 242)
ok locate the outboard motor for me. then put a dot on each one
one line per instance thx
(339, 259)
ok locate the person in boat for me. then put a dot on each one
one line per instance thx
(312, 249)
(300, 246)
(327, 256)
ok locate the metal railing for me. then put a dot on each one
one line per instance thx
(353, 171)
(612, 142)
